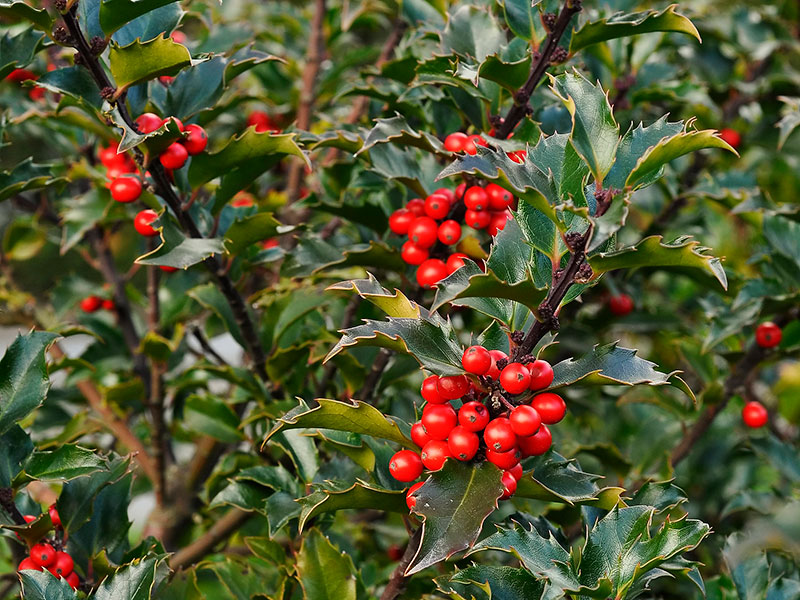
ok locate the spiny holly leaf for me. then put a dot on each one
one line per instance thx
(454, 502)
(22, 10)
(142, 61)
(15, 447)
(116, 13)
(313, 255)
(511, 75)
(411, 167)
(23, 377)
(34, 531)
(43, 585)
(783, 236)
(66, 462)
(397, 131)
(75, 82)
(608, 364)
(76, 502)
(662, 495)
(472, 32)
(153, 143)
(394, 304)
(523, 18)
(556, 479)
(359, 495)
(26, 176)
(628, 24)
(790, 119)
(356, 417)
(249, 230)
(652, 252)
(134, 581)
(557, 156)
(177, 250)
(19, 50)
(324, 572)
(497, 583)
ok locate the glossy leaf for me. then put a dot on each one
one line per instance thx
(134, 581)
(25, 176)
(116, 13)
(177, 250)
(18, 50)
(324, 572)
(249, 230)
(498, 583)
(66, 462)
(14, 9)
(15, 447)
(358, 496)
(397, 131)
(472, 32)
(142, 61)
(43, 585)
(212, 417)
(523, 18)
(608, 364)
(314, 255)
(394, 304)
(555, 479)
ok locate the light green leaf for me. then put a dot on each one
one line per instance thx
(177, 250)
(22, 10)
(324, 572)
(358, 496)
(142, 61)
(634, 144)
(66, 462)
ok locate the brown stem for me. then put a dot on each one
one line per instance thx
(219, 531)
(398, 579)
(201, 339)
(374, 376)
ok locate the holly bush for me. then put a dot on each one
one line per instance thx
(482, 299)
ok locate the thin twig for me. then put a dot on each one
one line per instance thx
(330, 368)
(206, 346)
(374, 376)
(398, 579)
(221, 530)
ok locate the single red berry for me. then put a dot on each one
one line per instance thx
(62, 565)
(536, 444)
(108, 156)
(20, 75)
(148, 122)
(167, 269)
(434, 454)
(405, 465)
(509, 485)
(449, 232)
(439, 420)
(463, 443)
(28, 564)
(243, 200)
(476, 360)
(455, 142)
(516, 471)
(504, 460)
(478, 219)
(768, 335)
(413, 254)
(261, 121)
(473, 416)
(400, 221)
(448, 193)
(416, 206)
(43, 554)
(497, 222)
(455, 261)
(478, 140)
(499, 199)
(499, 435)
(126, 188)
(142, 222)
(423, 232)
(418, 434)
(621, 305)
(437, 206)
(518, 156)
(731, 136)
(54, 516)
(197, 139)
(541, 374)
(476, 198)
(174, 157)
(91, 303)
(469, 146)
(453, 386)
(108, 304)
(431, 272)
(494, 371)
(754, 414)
(515, 378)
(29, 518)
(525, 420)
(178, 122)
(411, 499)
(551, 407)
(178, 37)
(430, 390)
(73, 580)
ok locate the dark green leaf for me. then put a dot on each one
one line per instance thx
(25, 176)
(43, 585)
(250, 230)
(499, 583)
(116, 13)
(397, 131)
(15, 447)
(663, 495)
(177, 250)
(22, 10)
(212, 417)
(324, 572)
(523, 18)
(131, 582)
(19, 50)
(555, 479)
(608, 364)
(358, 496)
(472, 32)
(66, 462)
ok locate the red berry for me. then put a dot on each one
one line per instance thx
(455, 261)
(478, 219)
(525, 420)
(515, 471)
(518, 157)
(261, 121)
(469, 146)
(473, 416)
(418, 434)
(28, 564)
(174, 157)
(499, 199)
(437, 206)
(731, 136)
(439, 420)
(43, 555)
(551, 407)
(431, 272)
(754, 414)
(497, 222)
(499, 435)
(463, 443)
(62, 565)
(109, 157)
(29, 518)
(197, 140)
(73, 580)
(243, 200)
(430, 390)
(54, 516)
(448, 193)
(413, 254)
(453, 387)
(405, 465)
(515, 378)
(178, 37)
(621, 305)
(108, 304)
(509, 485)
(167, 269)
(476, 198)
(411, 499)
(768, 335)
(455, 142)
(478, 140)
(541, 374)
(91, 304)
(536, 444)
(416, 206)
(400, 221)
(20, 75)
(178, 122)
(126, 188)
(434, 454)
(476, 360)
(423, 232)
(142, 222)
(148, 122)
(493, 371)
(449, 232)
(504, 460)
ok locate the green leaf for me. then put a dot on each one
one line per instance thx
(210, 297)
(790, 118)
(629, 24)
(21, 10)
(783, 235)
(499, 583)
(134, 581)
(116, 13)
(15, 447)
(358, 496)
(76, 503)
(454, 502)
(523, 18)
(212, 417)
(43, 585)
(249, 230)
(394, 304)
(556, 479)
(19, 50)
(66, 462)
(313, 255)
(177, 250)
(324, 572)
(397, 131)
(142, 61)
(80, 214)
(608, 364)
(357, 417)
(472, 32)
(662, 495)
(595, 133)
(652, 252)
(26, 176)
(782, 456)
(23, 377)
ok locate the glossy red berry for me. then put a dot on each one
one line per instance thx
(455, 261)
(423, 232)
(126, 188)
(536, 444)
(434, 454)
(431, 272)
(439, 420)
(243, 200)
(43, 555)
(497, 222)
(516, 471)
(62, 565)
(469, 146)
(437, 206)
(476, 360)
(621, 305)
(411, 499)
(541, 374)
(509, 485)
(754, 414)
(478, 140)
(525, 420)
(108, 304)
(28, 564)
(499, 199)
(142, 222)
(148, 122)
(430, 390)
(499, 435)
(768, 335)
(196, 141)
(473, 416)
(453, 386)
(515, 378)
(418, 434)
(518, 156)
(449, 232)
(461, 188)
(504, 460)
(167, 269)
(174, 157)
(29, 518)
(731, 136)
(54, 516)
(447, 193)
(416, 207)
(413, 254)
(73, 580)
(455, 142)
(406, 465)
(400, 221)
(91, 303)
(478, 219)
(476, 198)
(261, 121)
(463, 443)
(494, 371)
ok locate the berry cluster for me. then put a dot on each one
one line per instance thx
(94, 303)
(49, 554)
(502, 418)
(22, 75)
(461, 142)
